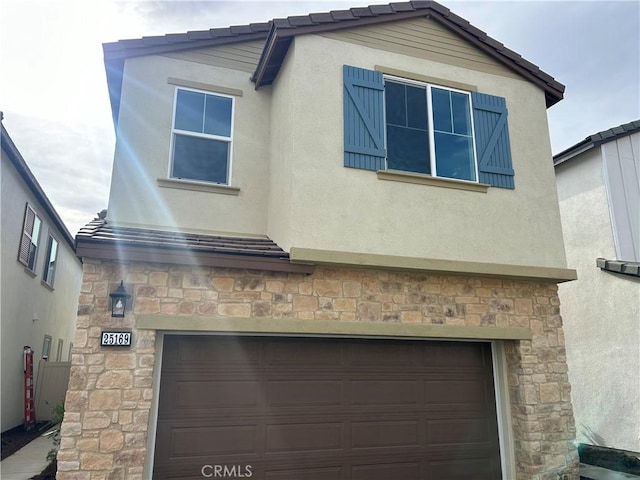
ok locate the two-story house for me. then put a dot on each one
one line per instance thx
(341, 236)
(41, 278)
(599, 192)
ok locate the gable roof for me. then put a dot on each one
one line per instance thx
(595, 140)
(279, 33)
(15, 157)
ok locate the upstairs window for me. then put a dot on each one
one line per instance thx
(28, 251)
(393, 123)
(429, 130)
(202, 136)
(50, 259)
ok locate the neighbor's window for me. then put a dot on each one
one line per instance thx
(429, 130)
(51, 259)
(46, 347)
(59, 351)
(202, 134)
(28, 251)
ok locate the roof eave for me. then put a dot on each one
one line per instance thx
(29, 178)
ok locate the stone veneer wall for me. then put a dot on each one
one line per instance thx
(104, 433)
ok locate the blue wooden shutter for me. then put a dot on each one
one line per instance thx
(492, 140)
(363, 119)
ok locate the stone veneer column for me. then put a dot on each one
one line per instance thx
(104, 433)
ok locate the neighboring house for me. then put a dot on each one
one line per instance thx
(41, 278)
(343, 258)
(599, 190)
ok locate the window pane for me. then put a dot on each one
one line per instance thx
(461, 114)
(50, 267)
(407, 149)
(33, 249)
(454, 156)
(189, 111)
(395, 103)
(217, 117)
(416, 107)
(441, 110)
(200, 159)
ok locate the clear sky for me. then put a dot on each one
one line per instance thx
(54, 95)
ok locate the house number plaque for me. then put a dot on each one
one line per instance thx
(115, 339)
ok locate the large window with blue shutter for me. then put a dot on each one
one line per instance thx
(393, 123)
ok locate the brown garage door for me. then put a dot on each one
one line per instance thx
(325, 409)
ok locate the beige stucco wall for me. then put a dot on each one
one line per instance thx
(288, 164)
(337, 208)
(601, 312)
(24, 298)
(143, 153)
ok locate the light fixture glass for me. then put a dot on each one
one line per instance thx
(119, 301)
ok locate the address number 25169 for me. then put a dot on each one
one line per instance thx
(115, 339)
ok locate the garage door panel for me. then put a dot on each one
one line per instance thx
(458, 431)
(385, 392)
(214, 394)
(315, 354)
(304, 392)
(467, 354)
(382, 355)
(456, 391)
(328, 473)
(196, 352)
(385, 434)
(351, 415)
(482, 469)
(304, 437)
(386, 471)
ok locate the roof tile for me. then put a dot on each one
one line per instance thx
(402, 7)
(321, 17)
(342, 15)
(99, 231)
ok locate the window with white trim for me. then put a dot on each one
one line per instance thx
(202, 136)
(28, 251)
(50, 261)
(429, 130)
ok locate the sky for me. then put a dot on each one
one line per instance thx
(53, 90)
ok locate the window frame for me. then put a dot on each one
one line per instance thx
(430, 127)
(27, 264)
(46, 277)
(188, 133)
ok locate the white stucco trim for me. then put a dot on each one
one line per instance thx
(204, 86)
(197, 186)
(396, 262)
(421, 179)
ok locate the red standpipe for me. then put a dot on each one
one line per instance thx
(29, 410)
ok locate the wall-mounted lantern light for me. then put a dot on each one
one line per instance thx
(119, 301)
